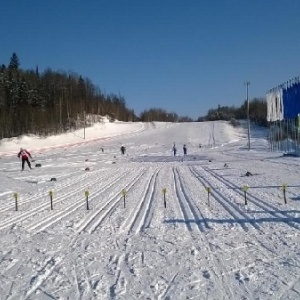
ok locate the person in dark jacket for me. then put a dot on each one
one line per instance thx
(24, 154)
(123, 149)
(174, 150)
(184, 150)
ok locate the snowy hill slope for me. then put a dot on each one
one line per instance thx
(128, 245)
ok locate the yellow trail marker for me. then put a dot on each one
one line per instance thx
(124, 193)
(86, 193)
(208, 189)
(51, 199)
(16, 200)
(245, 189)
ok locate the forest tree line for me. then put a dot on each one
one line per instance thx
(52, 102)
(257, 112)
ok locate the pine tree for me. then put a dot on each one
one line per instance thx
(14, 62)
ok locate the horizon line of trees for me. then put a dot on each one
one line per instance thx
(257, 112)
(52, 102)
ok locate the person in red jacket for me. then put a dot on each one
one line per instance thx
(24, 154)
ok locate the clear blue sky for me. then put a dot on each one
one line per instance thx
(184, 56)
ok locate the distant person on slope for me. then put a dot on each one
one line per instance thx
(123, 149)
(184, 150)
(174, 150)
(24, 154)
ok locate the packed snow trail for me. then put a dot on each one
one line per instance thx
(186, 250)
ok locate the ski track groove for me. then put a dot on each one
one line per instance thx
(43, 274)
(10, 296)
(149, 213)
(217, 267)
(45, 271)
(59, 215)
(37, 196)
(193, 207)
(44, 206)
(184, 212)
(76, 282)
(256, 201)
(223, 201)
(143, 207)
(91, 224)
(165, 292)
(113, 288)
(52, 263)
(141, 213)
(290, 287)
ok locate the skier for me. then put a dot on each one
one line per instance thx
(184, 149)
(24, 154)
(174, 150)
(123, 149)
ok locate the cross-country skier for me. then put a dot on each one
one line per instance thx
(24, 154)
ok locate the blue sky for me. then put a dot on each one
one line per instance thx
(183, 56)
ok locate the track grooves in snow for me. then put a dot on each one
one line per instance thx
(239, 216)
(195, 210)
(141, 213)
(33, 211)
(288, 219)
(97, 217)
(37, 196)
(42, 275)
(214, 265)
(52, 219)
(150, 207)
(191, 217)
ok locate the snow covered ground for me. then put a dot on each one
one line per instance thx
(197, 247)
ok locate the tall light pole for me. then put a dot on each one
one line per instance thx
(247, 83)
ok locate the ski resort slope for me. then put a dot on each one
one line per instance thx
(152, 230)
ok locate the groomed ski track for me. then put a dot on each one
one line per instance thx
(111, 248)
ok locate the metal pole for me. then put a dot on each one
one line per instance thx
(248, 115)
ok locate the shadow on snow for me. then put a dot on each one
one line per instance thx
(235, 221)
